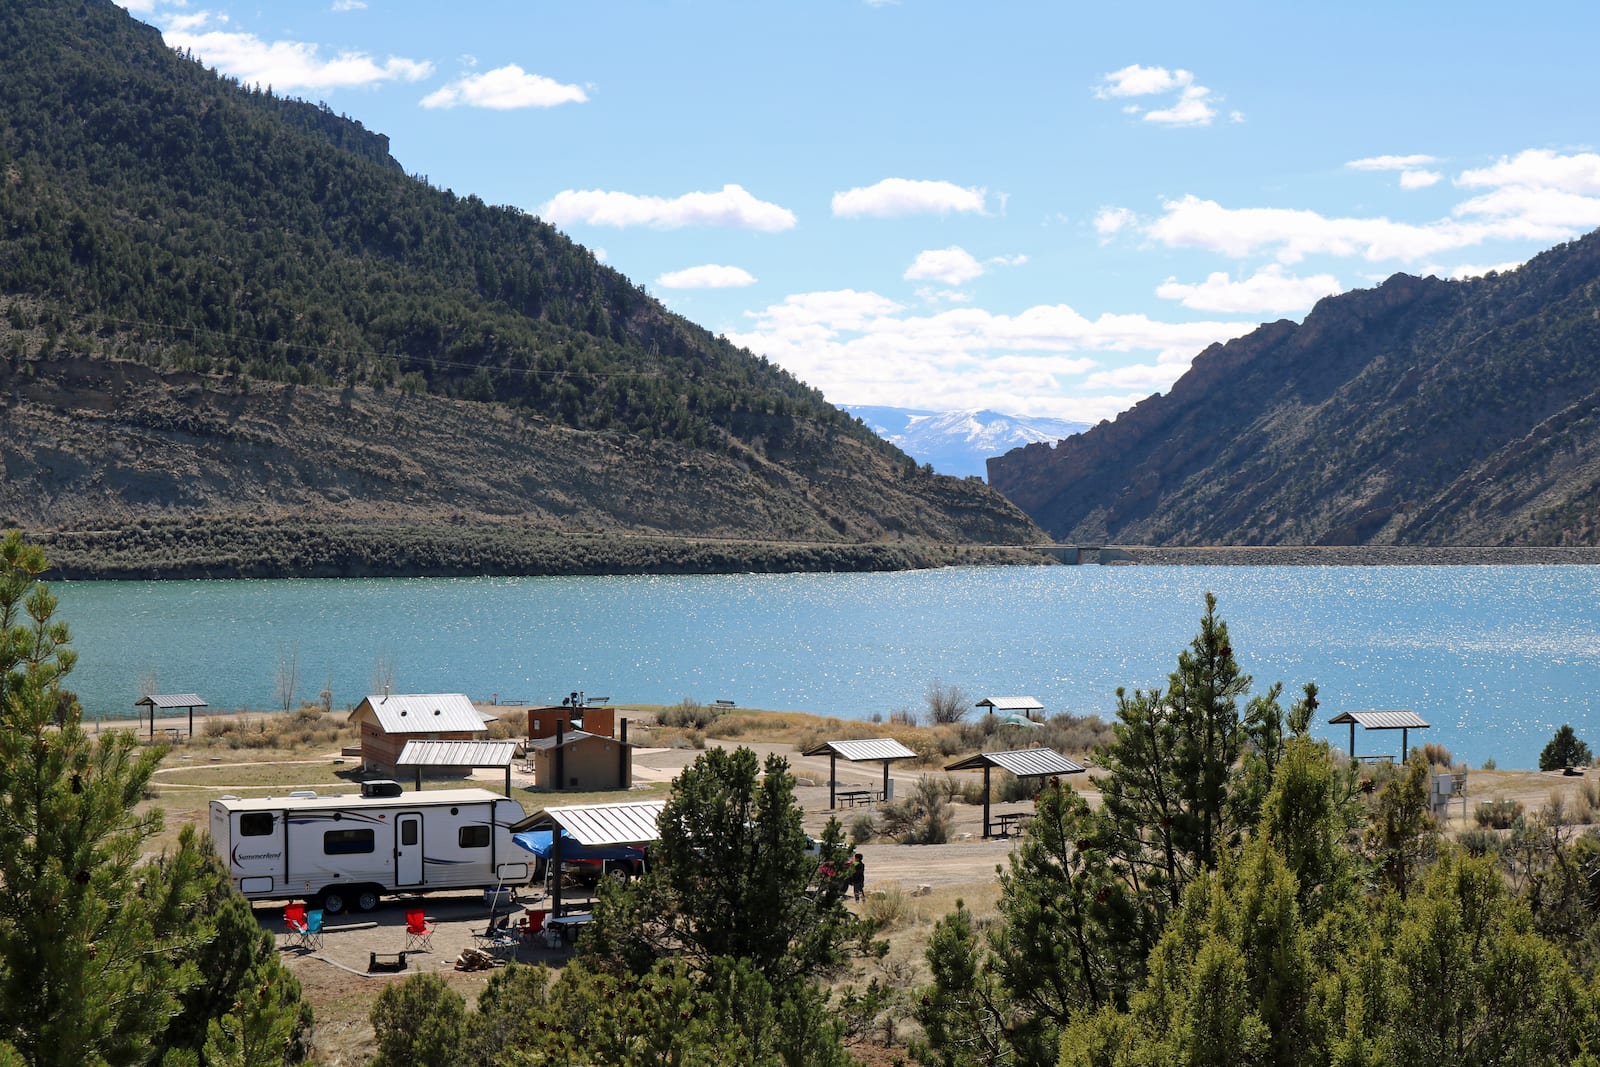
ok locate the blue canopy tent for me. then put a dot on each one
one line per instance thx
(540, 843)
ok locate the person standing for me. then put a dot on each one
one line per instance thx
(858, 876)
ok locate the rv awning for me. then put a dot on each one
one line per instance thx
(541, 843)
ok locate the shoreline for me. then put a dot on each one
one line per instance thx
(1348, 556)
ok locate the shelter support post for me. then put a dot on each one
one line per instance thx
(986, 802)
(833, 780)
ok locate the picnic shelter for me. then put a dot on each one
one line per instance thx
(1404, 721)
(874, 750)
(632, 824)
(1024, 763)
(457, 756)
(170, 702)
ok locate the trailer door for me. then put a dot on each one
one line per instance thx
(408, 848)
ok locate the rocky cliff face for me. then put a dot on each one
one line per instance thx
(1418, 412)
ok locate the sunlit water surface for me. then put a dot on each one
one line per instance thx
(1494, 657)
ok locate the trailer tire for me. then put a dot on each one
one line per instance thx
(333, 901)
(367, 898)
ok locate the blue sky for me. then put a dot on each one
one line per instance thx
(1042, 208)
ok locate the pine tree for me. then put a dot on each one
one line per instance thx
(101, 951)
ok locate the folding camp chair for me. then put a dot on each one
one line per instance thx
(294, 922)
(419, 931)
(311, 939)
(499, 940)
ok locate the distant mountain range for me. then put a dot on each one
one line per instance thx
(227, 312)
(1421, 412)
(959, 442)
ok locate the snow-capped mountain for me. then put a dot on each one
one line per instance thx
(958, 442)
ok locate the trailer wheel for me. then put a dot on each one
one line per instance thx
(332, 901)
(367, 899)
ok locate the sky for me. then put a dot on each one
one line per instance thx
(1043, 209)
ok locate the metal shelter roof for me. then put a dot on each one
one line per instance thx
(877, 748)
(168, 701)
(1023, 704)
(1023, 762)
(630, 823)
(422, 713)
(457, 754)
(1381, 720)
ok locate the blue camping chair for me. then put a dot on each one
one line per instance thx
(311, 936)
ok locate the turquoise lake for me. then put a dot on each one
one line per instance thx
(1494, 657)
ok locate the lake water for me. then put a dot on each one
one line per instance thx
(1494, 657)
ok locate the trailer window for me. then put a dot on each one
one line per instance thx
(346, 842)
(255, 824)
(474, 837)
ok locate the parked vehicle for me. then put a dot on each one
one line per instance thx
(346, 851)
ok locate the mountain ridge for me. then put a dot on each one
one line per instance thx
(1418, 412)
(217, 303)
(958, 442)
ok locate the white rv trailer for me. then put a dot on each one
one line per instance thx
(347, 850)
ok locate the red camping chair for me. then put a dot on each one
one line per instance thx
(294, 920)
(419, 931)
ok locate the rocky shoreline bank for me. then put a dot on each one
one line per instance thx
(1347, 556)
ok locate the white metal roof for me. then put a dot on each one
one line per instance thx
(1010, 704)
(1381, 720)
(423, 713)
(1024, 762)
(168, 701)
(338, 801)
(629, 823)
(457, 754)
(877, 748)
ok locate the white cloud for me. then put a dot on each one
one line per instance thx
(1193, 106)
(294, 65)
(1469, 270)
(708, 276)
(1190, 110)
(732, 206)
(349, 5)
(1419, 179)
(1269, 290)
(1540, 169)
(952, 266)
(504, 89)
(860, 347)
(1291, 234)
(1391, 162)
(1135, 80)
(894, 197)
(187, 23)
(137, 7)
(1109, 221)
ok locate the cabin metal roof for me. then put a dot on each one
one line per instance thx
(422, 713)
(1023, 704)
(877, 748)
(457, 754)
(169, 701)
(1022, 762)
(1381, 720)
(628, 823)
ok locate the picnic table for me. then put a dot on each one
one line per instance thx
(1012, 820)
(565, 927)
(852, 797)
